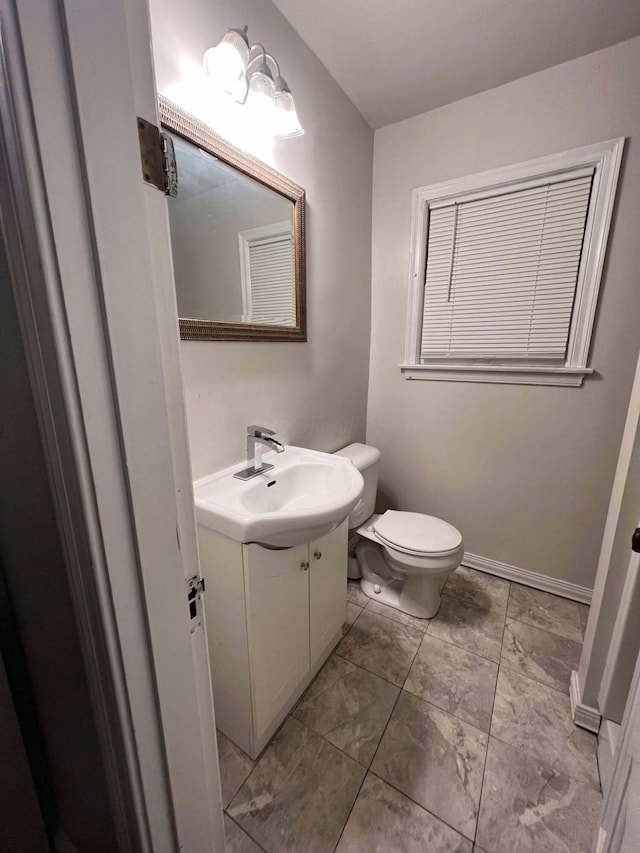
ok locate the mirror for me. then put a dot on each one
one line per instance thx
(237, 237)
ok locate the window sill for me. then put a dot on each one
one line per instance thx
(568, 376)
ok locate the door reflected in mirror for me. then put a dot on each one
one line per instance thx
(237, 236)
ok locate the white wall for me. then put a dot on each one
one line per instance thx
(313, 394)
(525, 472)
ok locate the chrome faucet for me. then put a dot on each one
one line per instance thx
(258, 436)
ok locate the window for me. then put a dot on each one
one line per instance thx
(267, 271)
(505, 270)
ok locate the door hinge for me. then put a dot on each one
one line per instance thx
(195, 588)
(158, 158)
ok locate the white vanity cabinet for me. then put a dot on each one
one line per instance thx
(277, 598)
(273, 617)
(327, 590)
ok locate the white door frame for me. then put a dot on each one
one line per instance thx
(586, 682)
(620, 826)
(94, 307)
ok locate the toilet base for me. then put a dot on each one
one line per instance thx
(422, 604)
(353, 569)
(416, 595)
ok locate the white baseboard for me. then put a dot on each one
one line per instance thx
(528, 578)
(584, 716)
(608, 738)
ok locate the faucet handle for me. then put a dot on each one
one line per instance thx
(258, 431)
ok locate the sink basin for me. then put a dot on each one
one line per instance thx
(305, 495)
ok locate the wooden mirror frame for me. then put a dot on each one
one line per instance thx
(182, 123)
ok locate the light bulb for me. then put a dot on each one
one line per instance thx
(261, 98)
(226, 63)
(286, 121)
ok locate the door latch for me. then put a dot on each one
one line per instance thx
(195, 588)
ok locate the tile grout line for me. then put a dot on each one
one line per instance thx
(355, 800)
(499, 740)
(365, 767)
(548, 630)
(364, 668)
(404, 622)
(386, 782)
(400, 692)
(368, 770)
(242, 829)
(445, 711)
(509, 668)
(545, 630)
(420, 806)
(317, 734)
(540, 761)
(456, 646)
(495, 693)
(401, 689)
(373, 757)
(535, 681)
(290, 715)
(391, 619)
(531, 678)
(499, 664)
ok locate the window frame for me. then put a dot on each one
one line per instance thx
(271, 232)
(605, 158)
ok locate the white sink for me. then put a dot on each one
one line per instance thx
(305, 495)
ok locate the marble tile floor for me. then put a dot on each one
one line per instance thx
(445, 736)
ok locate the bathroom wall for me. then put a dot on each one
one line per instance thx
(525, 472)
(313, 394)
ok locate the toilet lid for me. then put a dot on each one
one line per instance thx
(417, 533)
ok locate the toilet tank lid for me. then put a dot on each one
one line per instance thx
(361, 455)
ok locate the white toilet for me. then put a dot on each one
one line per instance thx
(403, 558)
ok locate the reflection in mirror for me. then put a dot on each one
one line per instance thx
(232, 241)
(237, 235)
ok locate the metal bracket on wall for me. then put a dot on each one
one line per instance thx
(157, 157)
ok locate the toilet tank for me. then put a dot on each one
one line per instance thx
(367, 461)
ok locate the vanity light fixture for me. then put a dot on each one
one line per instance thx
(269, 100)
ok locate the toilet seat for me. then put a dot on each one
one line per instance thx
(417, 534)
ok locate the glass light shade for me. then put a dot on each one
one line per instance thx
(226, 64)
(261, 98)
(287, 123)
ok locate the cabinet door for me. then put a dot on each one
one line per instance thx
(327, 588)
(277, 589)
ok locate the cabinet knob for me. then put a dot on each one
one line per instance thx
(304, 566)
(318, 555)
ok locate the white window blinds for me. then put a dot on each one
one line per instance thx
(502, 271)
(272, 280)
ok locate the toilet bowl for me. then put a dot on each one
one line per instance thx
(402, 558)
(408, 572)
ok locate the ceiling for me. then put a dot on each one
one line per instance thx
(398, 59)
